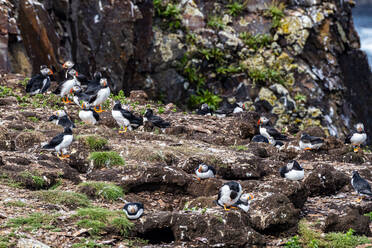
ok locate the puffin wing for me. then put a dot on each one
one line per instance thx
(348, 137)
(55, 141)
(275, 133)
(95, 115)
(158, 121)
(127, 114)
(36, 82)
(46, 86)
(316, 139)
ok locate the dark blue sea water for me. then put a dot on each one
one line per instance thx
(363, 22)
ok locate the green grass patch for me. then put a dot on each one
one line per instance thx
(34, 221)
(107, 191)
(106, 159)
(235, 8)
(205, 96)
(216, 22)
(98, 219)
(33, 119)
(66, 198)
(95, 143)
(6, 91)
(88, 243)
(312, 239)
(240, 148)
(170, 14)
(275, 11)
(19, 204)
(257, 41)
(37, 179)
(267, 75)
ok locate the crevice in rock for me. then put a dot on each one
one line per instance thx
(159, 235)
(167, 188)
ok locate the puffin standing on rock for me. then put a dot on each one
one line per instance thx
(39, 83)
(60, 143)
(357, 138)
(308, 142)
(269, 132)
(133, 210)
(229, 194)
(66, 87)
(205, 171)
(61, 118)
(361, 186)
(88, 115)
(292, 171)
(124, 118)
(102, 95)
(155, 120)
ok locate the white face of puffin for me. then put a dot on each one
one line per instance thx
(60, 113)
(263, 120)
(103, 82)
(246, 197)
(46, 71)
(359, 127)
(68, 64)
(203, 168)
(132, 209)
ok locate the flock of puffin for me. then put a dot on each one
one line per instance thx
(93, 93)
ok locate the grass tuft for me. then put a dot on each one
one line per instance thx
(66, 198)
(34, 221)
(98, 219)
(19, 204)
(96, 143)
(107, 191)
(108, 159)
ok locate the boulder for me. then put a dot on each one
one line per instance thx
(325, 180)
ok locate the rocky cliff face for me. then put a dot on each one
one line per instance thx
(297, 60)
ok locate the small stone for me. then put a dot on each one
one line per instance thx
(138, 95)
(30, 243)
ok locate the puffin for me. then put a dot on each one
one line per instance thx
(356, 138)
(124, 118)
(94, 85)
(229, 194)
(292, 171)
(60, 142)
(308, 142)
(133, 210)
(80, 96)
(204, 171)
(39, 83)
(360, 185)
(268, 131)
(61, 118)
(68, 66)
(243, 202)
(102, 95)
(276, 143)
(88, 115)
(155, 120)
(260, 139)
(66, 87)
(204, 110)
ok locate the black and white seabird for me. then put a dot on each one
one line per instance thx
(66, 87)
(260, 139)
(60, 143)
(155, 120)
(94, 85)
(102, 95)
(80, 96)
(308, 142)
(243, 202)
(61, 118)
(133, 210)
(69, 66)
(39, 83)
(268, 131)
(360, 185)
(229, 194)
(125, 119)
(205, 171)
(204, 110)
(356, 138)
(88, 115)
(292, 171)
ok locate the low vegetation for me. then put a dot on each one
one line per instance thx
(106, 159)
(106, 191)
(95, 143)
(312, 239)
(34, 222)
(169, 13)
(216, 22)
(99, 219)
(257, 41)
(37, 180)
(67, 198)
(235, 8)
(275, 11)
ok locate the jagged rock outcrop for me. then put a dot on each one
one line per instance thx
(304, 66)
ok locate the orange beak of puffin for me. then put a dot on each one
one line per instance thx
(199, 170)
(258, 122)
(250, 197)
(71, 91)
(76, 74)
(64, 66)
(50, 72)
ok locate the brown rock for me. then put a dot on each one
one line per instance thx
(315, 131)
(353, 219)
(27, 140)
(138, 95)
